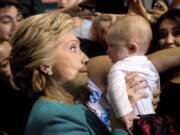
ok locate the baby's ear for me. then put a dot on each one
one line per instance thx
(133, 47)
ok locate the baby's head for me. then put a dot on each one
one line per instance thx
(128, 36)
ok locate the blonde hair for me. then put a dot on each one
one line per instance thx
(34, 44)
(131, 28)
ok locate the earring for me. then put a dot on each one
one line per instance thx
(50, 72)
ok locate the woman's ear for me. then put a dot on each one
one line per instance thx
(46, 69)
(133, 47)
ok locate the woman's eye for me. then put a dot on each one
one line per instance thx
(5, 20)
(4, 64)
(73, 49)
(162, 35)
(176, 33)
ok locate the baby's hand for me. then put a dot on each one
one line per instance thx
(127, 121)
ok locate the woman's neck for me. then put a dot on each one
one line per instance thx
(58, 94)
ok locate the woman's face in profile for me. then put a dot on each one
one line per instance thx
(169, 34)
(9, 18)
(70, 61)
(5, 49)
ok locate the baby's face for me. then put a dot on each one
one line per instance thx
(118, 51)
(117, 43)
(125, 37)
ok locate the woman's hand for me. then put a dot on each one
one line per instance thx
(134, 82)
(156, 98)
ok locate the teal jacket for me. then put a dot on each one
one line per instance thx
(54, 118)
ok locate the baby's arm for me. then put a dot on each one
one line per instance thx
(118, 99)
(127, 121)
(117, 94)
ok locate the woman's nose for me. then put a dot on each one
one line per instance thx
(13, 25)
(170, 43)
(85, 59)
(170, 39)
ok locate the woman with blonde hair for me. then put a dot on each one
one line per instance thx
(47, 63)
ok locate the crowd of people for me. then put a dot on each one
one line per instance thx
(76, 71)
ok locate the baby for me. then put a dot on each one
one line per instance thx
(128, 40)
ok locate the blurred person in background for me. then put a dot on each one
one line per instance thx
(10, 16)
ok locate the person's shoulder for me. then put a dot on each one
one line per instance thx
(44, 109)
(44, 112)
(48, 116)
